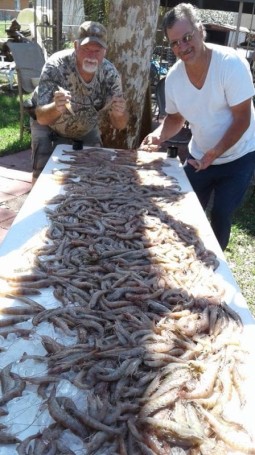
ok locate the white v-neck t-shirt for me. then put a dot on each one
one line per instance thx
(228, 83)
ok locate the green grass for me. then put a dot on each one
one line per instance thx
(9, 114)
(240, 253)
(10, 125)
(2, 29)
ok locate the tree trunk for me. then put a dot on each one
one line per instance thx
(131, 30)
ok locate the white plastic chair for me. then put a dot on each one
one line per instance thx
(29, 59)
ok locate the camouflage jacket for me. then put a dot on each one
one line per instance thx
(87, 98)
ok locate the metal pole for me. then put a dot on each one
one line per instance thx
(238, 24)
(35, 21)
(57, 25)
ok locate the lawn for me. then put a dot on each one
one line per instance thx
(240, 253)
(9, 123)
(9, 114)
(2, 29)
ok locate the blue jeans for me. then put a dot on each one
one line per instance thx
(229, 183)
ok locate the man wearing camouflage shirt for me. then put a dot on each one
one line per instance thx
(75, 85)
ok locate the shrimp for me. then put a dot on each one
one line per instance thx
(171, 428)
(237, 440)
(164, 400)
(206, 384)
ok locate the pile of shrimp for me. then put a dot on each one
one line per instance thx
(153, 349)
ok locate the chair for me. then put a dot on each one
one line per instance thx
(182, 138)
(29, 59)
(7, 69)
(160, 97)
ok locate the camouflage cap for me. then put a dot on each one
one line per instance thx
(90, 31)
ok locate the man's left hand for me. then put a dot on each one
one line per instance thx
(118, 114)
(205, 162)
(118, 106)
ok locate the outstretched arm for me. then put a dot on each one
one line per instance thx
(170, 126)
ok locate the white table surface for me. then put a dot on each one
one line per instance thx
(31, 220)
(27, 230)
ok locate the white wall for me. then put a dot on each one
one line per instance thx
(247, 20)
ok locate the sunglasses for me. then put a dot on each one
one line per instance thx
(185, 39)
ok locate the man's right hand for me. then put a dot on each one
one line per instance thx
(62, 100)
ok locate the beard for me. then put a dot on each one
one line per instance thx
(89, 65)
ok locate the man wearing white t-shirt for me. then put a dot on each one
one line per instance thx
(211, 87)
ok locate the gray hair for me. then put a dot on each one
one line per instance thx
(183, 11)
